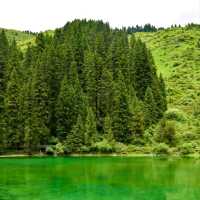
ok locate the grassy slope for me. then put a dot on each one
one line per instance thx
(23, 39)
(177, 57)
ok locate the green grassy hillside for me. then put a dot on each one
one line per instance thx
(22, 38)
(177, 56)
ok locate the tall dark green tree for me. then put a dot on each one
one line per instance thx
(143, 69)
(65, 116)
(108, 132)
(75, 139)
(13, 123)
(89, 76)
(163, 93)
(39, 122)
(105, 94)
(149, 108)
(90, 132)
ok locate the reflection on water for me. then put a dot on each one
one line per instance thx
(106, 178)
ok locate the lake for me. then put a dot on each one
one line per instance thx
(99, 178)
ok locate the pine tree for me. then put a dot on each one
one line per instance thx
(108, 129)
(26, 93)
(118, 54)
(4, 51)
(14, 136)
(14, 60)
(136, 122)
(136, 127)
(149, 108)
(104, 95)
(163, 93)
(90, 128)
(73, 75)
(40, 105)
(89, 74)
(143, 69)
(65, 116)
(121, 118)
(75, 139)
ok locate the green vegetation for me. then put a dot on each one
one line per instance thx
(177, 55)
(84, 88)
(89, 88)
(23, 38)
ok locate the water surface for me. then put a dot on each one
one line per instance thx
(99, 178)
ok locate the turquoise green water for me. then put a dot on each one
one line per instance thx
(95, 178)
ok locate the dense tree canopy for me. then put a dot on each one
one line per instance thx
(85, 84)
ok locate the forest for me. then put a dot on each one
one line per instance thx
(86, 88)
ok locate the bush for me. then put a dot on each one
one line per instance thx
(104, 147)
(175, 114)
(161, 149)
(49, 150)
(120, 147)
(186, 148)
(59, 149)
(53, 140)
(190, 136)
(148, 135)
(85, 149)
(166, 132)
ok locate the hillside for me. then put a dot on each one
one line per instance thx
(79, 91)
(22, 38)
(176, 52)
(177, 56)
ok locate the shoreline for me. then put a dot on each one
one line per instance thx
(197, 156)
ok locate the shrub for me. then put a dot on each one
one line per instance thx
(175, 114)
(59, 149)
(167, 132)
(148, 135)
(120, 147)
(104, 147)
(49, 150)
(53, 140)
(198, 44)
(161, 149)
(196, 107)
(85, 149)
(190, 136)
(186, 148)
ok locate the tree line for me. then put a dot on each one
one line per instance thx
(85, 84)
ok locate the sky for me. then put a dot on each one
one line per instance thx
(40, 15)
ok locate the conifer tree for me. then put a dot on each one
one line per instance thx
(4, 50)
(163, 93)
(27, 115)
(143, 69)
(40, 105)
(108, 129)
(73, 76)
(89, 74)
(105, 95)
(90, 128)
(14, 135)
(65, 116)
(149, 108)
(75, 139)
(121, 118)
